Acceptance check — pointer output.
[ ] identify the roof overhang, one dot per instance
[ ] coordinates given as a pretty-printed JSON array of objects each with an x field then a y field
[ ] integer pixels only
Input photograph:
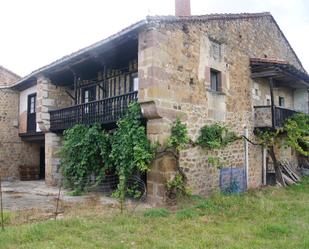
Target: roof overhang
[
  {"x": 281, "y": 71},
  {"x": 90, "y": 53}
]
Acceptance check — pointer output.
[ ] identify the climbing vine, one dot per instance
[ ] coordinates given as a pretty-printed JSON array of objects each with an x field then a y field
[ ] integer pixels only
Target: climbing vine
[
  {"x": 296, "y": 131},
  {"x": 131, "y": 151},
  {"x": 295, "y": 134},
  {"x": 211, "y": 137},
  {"x": 215, "y": 136},
  {"x": 88, "y": 152},
  {"x": 85, "y": 153},
  {"x": 178, "y": 141}
]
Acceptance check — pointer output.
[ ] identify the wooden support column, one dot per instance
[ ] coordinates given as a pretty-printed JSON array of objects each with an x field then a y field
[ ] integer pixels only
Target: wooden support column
[
  {"x": 273, "y": 110},
  {"x": 75, "y": 89}
]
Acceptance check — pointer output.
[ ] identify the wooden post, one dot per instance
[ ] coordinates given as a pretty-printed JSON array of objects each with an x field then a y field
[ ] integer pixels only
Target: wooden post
[
  {"x": 1, "y": 204},
  {"x": 273, "y": 110},
  {"x": 75, "y": 89}
]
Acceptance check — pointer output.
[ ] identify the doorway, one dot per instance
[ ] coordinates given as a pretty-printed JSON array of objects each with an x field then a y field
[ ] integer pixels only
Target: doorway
[{"x": 42, "y": 163}]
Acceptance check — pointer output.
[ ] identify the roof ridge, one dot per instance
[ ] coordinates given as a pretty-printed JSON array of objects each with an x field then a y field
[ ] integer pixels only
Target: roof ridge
[
  {"x": 210, "y": 16},
  {"x": 9, "y": 71}
]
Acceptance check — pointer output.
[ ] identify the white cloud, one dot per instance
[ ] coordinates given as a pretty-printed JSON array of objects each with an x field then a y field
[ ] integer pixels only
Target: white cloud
[{"x": 36, "y": 32}]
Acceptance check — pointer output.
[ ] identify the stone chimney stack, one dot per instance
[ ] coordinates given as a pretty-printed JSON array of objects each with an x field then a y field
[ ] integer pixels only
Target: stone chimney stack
[{"x": 182, "y": 8}]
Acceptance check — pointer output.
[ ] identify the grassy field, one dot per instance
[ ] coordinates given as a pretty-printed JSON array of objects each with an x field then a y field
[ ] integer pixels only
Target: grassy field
[{"x": 268, "y": 218}]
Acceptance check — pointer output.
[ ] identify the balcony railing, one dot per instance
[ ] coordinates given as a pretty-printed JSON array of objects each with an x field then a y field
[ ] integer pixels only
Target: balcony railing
[
  {"x": 103, "y": 111},
  {"x": 263, "y": 116}
]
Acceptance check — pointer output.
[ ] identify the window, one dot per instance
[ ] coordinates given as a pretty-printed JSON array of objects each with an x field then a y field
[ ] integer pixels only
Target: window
[
  {"x": 32, "y": 104},
  {"x": 134, "y": 82},
  {"x": 215, "y": 50},
  {"x": 281, "y": 101},
  {"x": 215, "y": 80}
]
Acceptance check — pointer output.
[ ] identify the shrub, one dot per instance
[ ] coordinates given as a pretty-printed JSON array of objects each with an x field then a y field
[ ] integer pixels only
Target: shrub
[{"x": 84, "y": 155}]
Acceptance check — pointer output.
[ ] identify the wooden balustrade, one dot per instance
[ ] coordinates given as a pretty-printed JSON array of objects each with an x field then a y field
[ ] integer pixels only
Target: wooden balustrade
[
  {"x": 103, "y": 111},
  {"x": 263, "y": 116}
]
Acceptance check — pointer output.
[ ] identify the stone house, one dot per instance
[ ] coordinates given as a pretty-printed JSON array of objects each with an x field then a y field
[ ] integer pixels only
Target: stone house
[
  {"x": 13, "y": 151},
  {"x": 235, "y": 69}
]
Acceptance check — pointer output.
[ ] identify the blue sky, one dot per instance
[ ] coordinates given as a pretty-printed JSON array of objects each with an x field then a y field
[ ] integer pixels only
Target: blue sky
[{"x": 36, "y": 32}]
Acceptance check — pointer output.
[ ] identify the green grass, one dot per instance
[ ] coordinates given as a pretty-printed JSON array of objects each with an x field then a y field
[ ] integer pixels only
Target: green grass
[{"x": 268, "y": 218}]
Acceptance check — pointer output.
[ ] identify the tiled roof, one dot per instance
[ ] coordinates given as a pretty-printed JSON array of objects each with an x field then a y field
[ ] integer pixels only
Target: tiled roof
[
  {"x": 9, "y": 71},
  {"x": 266, "y": 60},
  {"x": 210, "y": 17},
  {"x": 141, "y": 24},
  {"x": 280, "y": 66}
]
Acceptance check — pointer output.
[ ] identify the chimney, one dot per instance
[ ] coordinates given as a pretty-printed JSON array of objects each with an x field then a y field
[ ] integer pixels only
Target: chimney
[{"x": 182, "y": 8}]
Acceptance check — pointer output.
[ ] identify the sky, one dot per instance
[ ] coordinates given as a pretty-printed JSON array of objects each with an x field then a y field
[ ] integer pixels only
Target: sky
[{"x": 34, "y": 33}]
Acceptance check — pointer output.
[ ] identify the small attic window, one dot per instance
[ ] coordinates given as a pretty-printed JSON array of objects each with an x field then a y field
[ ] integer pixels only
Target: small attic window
[{"x": 215, "y": 50}]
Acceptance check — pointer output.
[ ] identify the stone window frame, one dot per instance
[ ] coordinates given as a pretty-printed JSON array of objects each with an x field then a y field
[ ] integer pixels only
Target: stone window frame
[
  {"x": 215, "y": 45},
  {"x": 218, "y": 87}
]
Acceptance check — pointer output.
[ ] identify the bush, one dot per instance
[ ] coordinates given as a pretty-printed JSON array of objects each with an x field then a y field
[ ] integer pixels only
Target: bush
[
  {"x": 84, "y": 155},
  {"x": 215, "y": 136}
]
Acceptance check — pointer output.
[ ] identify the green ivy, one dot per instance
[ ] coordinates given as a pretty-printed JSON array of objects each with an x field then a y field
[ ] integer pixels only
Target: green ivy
[
  {"x": 215, "y": 136},
  {"x": 85, "y": 153},
  {"x": 295, "y": 133},
  {"x": 131, "y": 151},
  {"x": 177, "y": 187},
  {"x": 179, "y": 136}
]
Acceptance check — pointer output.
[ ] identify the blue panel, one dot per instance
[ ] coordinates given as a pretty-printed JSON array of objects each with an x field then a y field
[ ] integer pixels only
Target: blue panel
[{"x": 233, "y": 180}]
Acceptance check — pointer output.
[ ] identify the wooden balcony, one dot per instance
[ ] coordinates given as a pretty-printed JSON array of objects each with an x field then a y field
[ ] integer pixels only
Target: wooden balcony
[
  {"x": 104, "y": 111},
  {"x": 264, "y": 119}
]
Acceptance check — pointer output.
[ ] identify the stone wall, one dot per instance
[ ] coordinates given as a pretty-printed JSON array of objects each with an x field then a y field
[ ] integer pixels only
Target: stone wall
[
  {"x": 52, "y": 160},
  {"x": 174, "y": 67},
  {"x": 13, "y": 152},
  {"x": 49, "y": 97},
  {"x": 7, "y": 78}
]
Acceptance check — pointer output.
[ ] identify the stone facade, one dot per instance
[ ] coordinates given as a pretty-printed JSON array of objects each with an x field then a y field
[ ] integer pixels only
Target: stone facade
[
  {"x": 52, "y": 159},
  {"x": 7, "y": 77},
  {"x": 177, "y": 60},
  {"x": 174, "y": 67},
  {"x": 13, "y": 152},
  {"x": 49, "y": 97}
]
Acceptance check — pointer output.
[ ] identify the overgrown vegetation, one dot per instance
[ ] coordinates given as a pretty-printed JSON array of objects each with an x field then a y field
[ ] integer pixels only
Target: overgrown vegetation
[
  {"x": 84, "y": 156},
  {"x": 179, "y": 138},
  {"x": 211, "y": 137},
  {"x": 270, "y": 218},
  {"x": 131, "y": 152},
  {"x": 295, "y": 134},
  {"x": 178, "y": 141},
  {"x": 88, "y": 152},
  {"x": 215, "y": 136}
]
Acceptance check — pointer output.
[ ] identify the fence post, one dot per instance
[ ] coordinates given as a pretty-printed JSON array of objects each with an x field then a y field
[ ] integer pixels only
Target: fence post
[
  {"x": 58, "y": 198},
  {"x": 1, "y": 204},
  {"x": 246, "y": 147}
]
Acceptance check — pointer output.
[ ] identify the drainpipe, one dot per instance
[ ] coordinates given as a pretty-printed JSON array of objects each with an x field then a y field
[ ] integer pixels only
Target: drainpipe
[
  {"x": 246, "y": 145},
  {"x": 264, "y": 154}
]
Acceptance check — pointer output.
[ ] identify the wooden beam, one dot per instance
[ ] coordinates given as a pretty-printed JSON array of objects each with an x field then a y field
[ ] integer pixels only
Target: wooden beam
[
  {"x": 68, "y": 93},
  {"x": 264, "y": 74},
  {"x": 273, "y": 110}
]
